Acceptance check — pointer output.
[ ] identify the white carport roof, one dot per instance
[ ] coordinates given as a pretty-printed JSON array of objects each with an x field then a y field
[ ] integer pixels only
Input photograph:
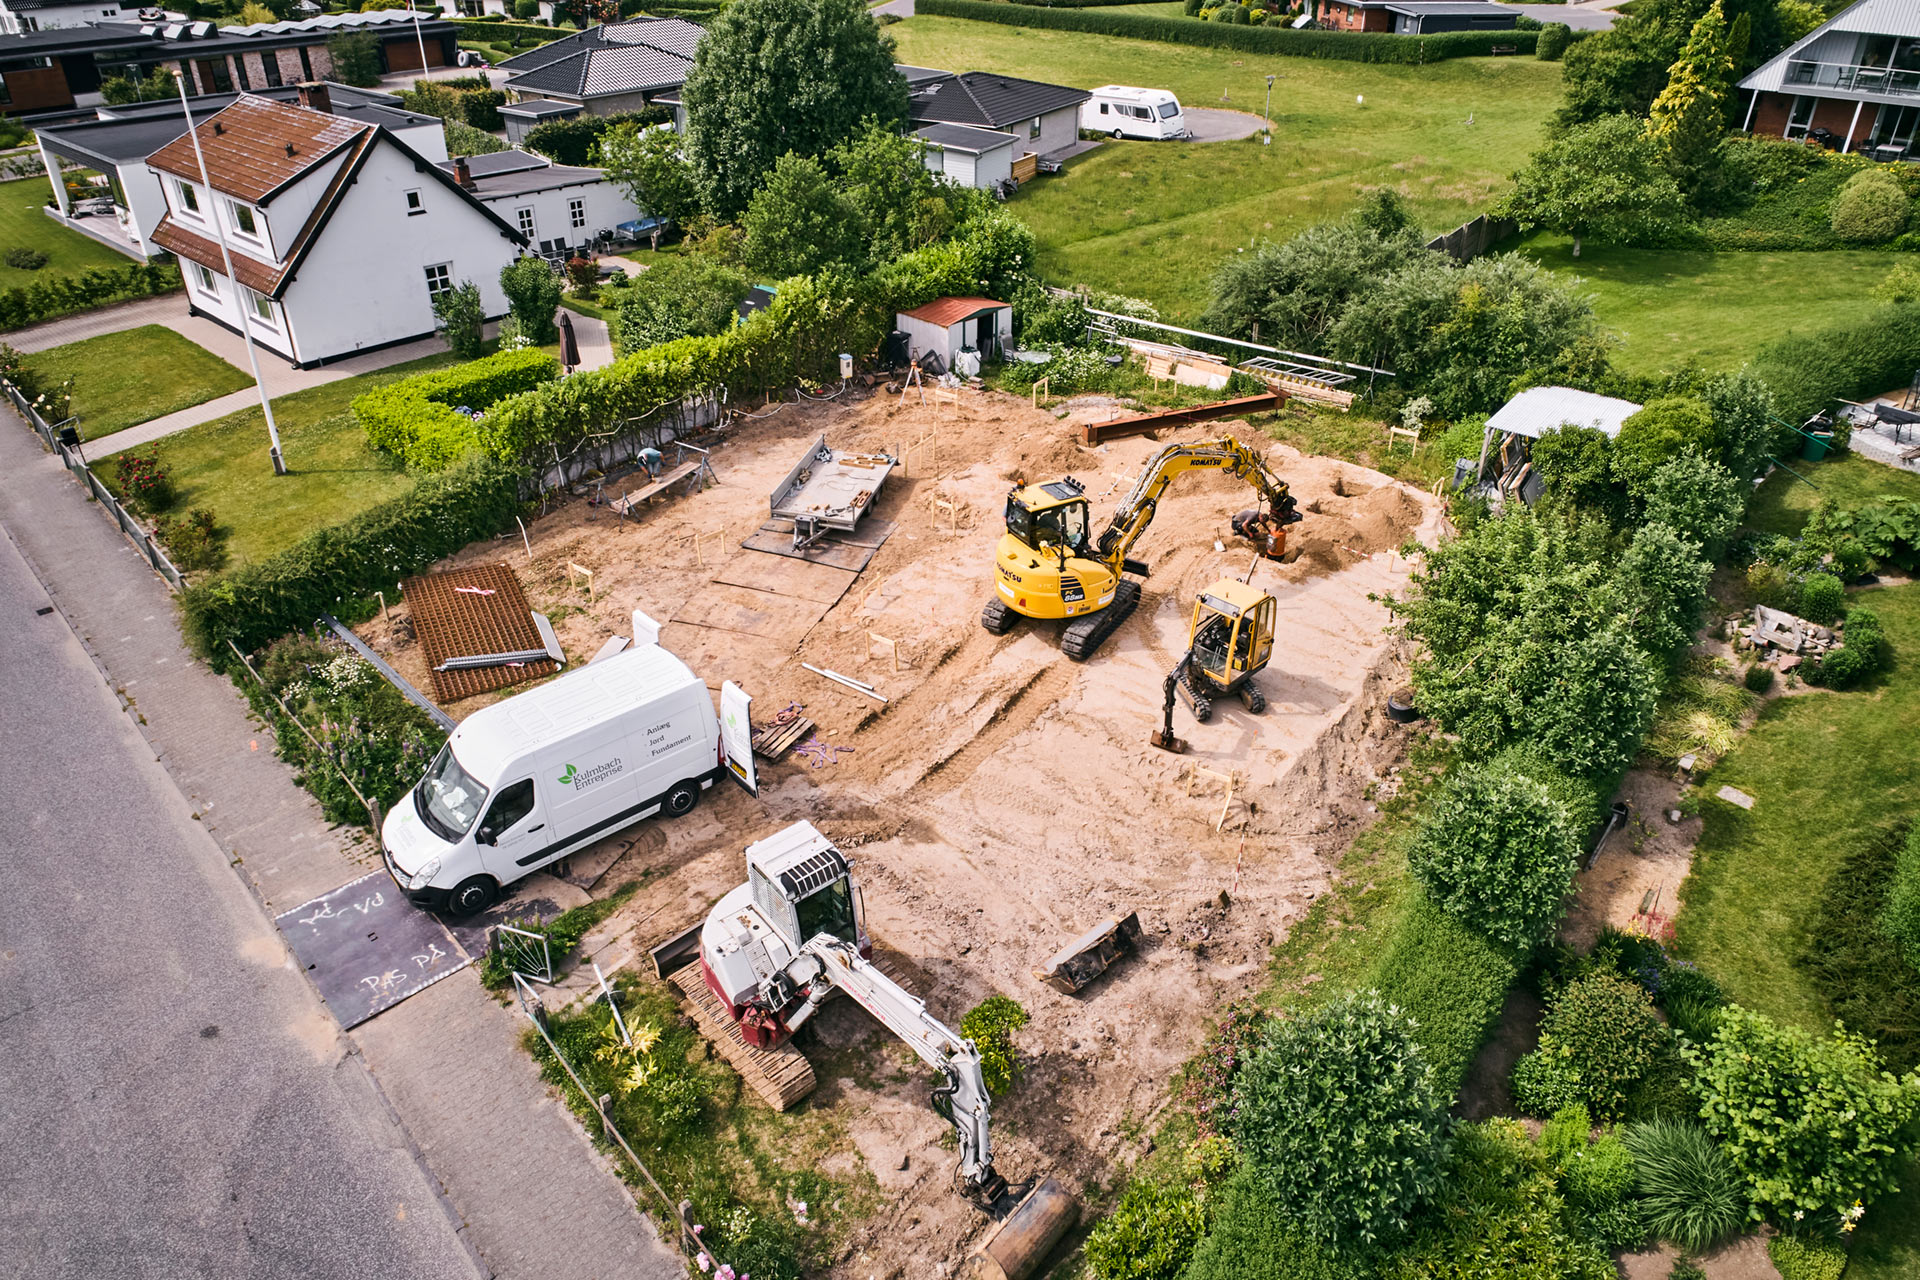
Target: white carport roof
[{"x": 1538, "y": 410}]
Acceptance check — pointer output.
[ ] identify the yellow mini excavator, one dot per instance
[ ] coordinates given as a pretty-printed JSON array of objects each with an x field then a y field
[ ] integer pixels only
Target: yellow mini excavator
[
  {"x": 1050, "y": 565},
  {"x": 1229, "y": 640}
]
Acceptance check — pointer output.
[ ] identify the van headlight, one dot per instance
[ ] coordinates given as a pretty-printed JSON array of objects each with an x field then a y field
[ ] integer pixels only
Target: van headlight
[{"x": 424, "y": 876}]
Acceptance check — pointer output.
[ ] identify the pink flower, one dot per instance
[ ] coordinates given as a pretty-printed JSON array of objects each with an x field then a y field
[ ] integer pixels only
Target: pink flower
[
  {"x": 703, "y": 1261},
  {"x": 725, "y": 1273}
]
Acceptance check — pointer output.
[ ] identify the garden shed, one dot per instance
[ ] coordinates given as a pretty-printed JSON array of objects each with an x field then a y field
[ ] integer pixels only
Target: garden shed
[
  {"x": 1506, "y": 447},
  {"x": 946, "y": 326}
]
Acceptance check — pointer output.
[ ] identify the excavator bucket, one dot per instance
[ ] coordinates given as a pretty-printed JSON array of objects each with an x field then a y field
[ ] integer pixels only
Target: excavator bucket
[
  {"x": 1021, "y": 1245},
  {"x": 1091, "y": 954},
  {"x": 1164, "y": 740}
]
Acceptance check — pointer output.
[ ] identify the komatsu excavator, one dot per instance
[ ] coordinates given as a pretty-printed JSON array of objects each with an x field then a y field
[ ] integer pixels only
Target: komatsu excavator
[{"x": 1049, "y": 565}]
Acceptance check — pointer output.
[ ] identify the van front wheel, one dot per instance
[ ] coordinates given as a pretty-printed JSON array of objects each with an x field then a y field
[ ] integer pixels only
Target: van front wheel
[
  {"x": 475, "y": 893},
  {"x": 680, "y": 801}
]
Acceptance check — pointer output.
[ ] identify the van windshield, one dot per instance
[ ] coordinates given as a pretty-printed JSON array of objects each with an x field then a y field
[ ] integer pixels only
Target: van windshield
[
  {"x": 1168, "y": 110},
  {"x": 448, "y": 798}
]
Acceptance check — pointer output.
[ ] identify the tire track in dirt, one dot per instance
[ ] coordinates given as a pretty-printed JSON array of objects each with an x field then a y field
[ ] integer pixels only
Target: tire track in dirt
[{"x": 1023, "y": 706}]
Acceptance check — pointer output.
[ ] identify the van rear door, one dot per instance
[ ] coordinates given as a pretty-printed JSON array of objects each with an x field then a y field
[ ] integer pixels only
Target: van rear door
[{"x": 736, "y": 736}]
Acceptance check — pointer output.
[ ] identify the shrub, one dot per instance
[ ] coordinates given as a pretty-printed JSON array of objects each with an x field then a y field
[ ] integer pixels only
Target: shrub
[
  {"x": 1849, "y": 665},
  {"x": 1250, "y": 1235},
  {"x": 1851, "y": 360},
  {"x": 1806, "y": 1258},
  {"x": 533, "y": 295},
  {"x": 1599, "y": 1038},
  {"x": 144, "y": 480},
  {"x": 990, "y": 1025},
  {"x": 1496, "y": 850},
  {"x": 1758, "y": 679},
  {"x": 1692, "y": 1193},
  {"x": 1553, "y": 40},
  {"x": 459, "y": 316},
  {"x": 583, "y": 276},
  {"x": 45, "y": 299},
  {"x": 685, "y": 296},
  {"x": 1336, "y": 1112},
  {"x": 336, "y": 570},
  {"x": 418, "y": 419},
  {"x": 577, "y": 141},
  {"x": 754, "y": 1245},
  {"x": 1451, "y": 981},
  {"x": 195, "y": 543},
  {"x": 1149, "y": 1235},
  {"x": 1544, "y": 1084},
  {"x": 465, "y": 140},
  {"x": 1699, "y": 499},
  {"x": 1656, "y": 435},
  {"x": 1822, "y": 598},
  {"x": 1870, "y": 208},
  {"x": 1812, "y": 1125},
  {"x": 1901, "y": 916},
  {"x": 21, "y": 258}
]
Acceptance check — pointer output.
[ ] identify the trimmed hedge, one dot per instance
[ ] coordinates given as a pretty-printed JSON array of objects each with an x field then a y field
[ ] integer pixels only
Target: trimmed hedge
[
  {"x": 44, "y": 299},
  {"x": 1341, "y": 46},
  {"x": 416, "y": 420},
  {"x": 1453, "y": 982},
  {"x": 480, "y": 31},
  {"x": 336, "y": 570}
]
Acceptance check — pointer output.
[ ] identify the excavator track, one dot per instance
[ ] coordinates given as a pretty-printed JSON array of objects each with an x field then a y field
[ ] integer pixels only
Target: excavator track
[
  {"x": 997, "y": 618},
  {"x": 1082, "y": 638}
]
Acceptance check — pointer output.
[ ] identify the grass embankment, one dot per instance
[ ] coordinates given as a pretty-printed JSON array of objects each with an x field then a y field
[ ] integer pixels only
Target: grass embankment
[
  {"x": 22, "y": 224},
  {"x": 1825, "y": 769},
  {"x": 121, "y": 380},
  {"x": 332, "y": 473},
  {"x": 1674, "y": 306},
  {"x": 1153, "y": 219}
]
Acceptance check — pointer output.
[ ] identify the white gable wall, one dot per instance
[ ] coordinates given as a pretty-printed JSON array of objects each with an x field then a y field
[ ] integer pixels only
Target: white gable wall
[{"x": 604, "y": 205}]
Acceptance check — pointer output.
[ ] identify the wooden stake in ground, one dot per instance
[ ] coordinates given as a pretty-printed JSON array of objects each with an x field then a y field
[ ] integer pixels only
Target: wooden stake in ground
[
  {"x": 1228, "y": 779},
  {"x": 580, "y": 571}
]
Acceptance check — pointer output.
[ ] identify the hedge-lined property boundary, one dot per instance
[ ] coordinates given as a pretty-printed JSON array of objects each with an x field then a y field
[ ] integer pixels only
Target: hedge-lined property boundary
[
  {"x": 480, "y": 31},
  {"x": 336, "y": 570},
  {"x": 416, "y": 419},
  {"x": 1341, "y": 46},
  {"x": 45, "y": 299},
  {"x": 1880, "y": 349}
]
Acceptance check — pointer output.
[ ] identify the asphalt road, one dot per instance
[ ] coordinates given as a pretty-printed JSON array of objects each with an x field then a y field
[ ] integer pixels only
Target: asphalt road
[{"x": 176, "y": 1101}]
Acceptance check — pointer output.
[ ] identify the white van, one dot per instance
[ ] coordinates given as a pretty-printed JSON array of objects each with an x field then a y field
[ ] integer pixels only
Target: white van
[
  {"x": 546, "y": 772},
  {"x": 1122, "y": 111}
]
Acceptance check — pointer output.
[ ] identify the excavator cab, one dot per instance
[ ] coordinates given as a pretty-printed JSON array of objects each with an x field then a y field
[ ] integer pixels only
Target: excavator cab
[
  {"x": 1231, "y": 633},
  {"x": 1051, "y": 515}
]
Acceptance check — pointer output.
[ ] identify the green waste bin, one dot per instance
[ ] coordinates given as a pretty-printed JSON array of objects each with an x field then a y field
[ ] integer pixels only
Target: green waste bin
[{"x": 1814, "y": 449}]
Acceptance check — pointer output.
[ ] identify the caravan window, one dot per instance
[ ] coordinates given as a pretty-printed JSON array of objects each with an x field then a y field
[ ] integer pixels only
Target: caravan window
[
  {"x": 448, "y": 799},
  {"x": 1168, "y": 110}
]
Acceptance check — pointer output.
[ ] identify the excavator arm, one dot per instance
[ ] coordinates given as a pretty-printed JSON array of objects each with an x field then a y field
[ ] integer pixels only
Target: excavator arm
[{"x": 1137, "y": 510}]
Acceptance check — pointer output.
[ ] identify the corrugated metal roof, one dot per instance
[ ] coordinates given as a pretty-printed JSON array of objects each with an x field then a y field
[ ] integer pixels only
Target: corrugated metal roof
[
  {"x": 943, "y": 312},
  {"x": 255, "y": 147},
  {"x": 1538, "y": 410},
  {"x": 1869, "y": 17}
]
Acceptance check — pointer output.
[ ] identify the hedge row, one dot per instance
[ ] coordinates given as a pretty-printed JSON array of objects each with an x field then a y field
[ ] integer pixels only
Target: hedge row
[
  {"x": 1078, "y": 4},
  {"x": 481, "y": 31},
  {"x": 334, "y": 570},
  {"x": 418, "y": 419},
  {"x": 1453, "y": 982},
  {"x": 63, "y": 295},
  {"x": 1848, "y": 361},
  {"x": 1342, "y": 46}
]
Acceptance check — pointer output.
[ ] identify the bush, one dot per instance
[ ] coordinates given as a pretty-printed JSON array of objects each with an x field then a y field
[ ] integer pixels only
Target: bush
[
  {"x": 1822, "y": 598},
  {"x": 1600, "y": 1037},
  {"x": 1692, "y": 1193},
  {"x": 1699, "y": 499},
  {"x": 195, "y": 543},
  {"x": 1852, "y": 360},
  {"x": 465, "y": 140},
  {"x": 1812, "y": 1125},
  {"x": 1149, "y": 1235},
  {"x": 336, "y": 570},
  {"x": 754, "y": 1245},
  {"x": 1553, "y": 40},
  {"x": 45, "y": 299},
  {"x": 1758, "y": 678},
  {"x": 1901, "y": 916},
  {"x": 1339, "y": 45},
  {"x": 533, "y": 296},
  {"x": 459, "y": 316},
  {"x": 1806, "y": 1258},
  {"x": 583, "y": 277},
  {"x": 1337, "y": 1114},
  {"x": 679, "y": 297},
  {"x": 1870, "y": 208},
  {"x": 526, "y": 10},
  {"x": 418, "y": 419},
  {"x": 1495, "y": 849},
  {"x": 1451, "y": 981},
  {"x": 21, "y": 258},
  {"x": 1860, "y": 954},
  {"x": 577, "y": 141},
  {"x": 1250, "y": 1236},
  {"x": 990, "y": 1025},
  {"x": 144, "y": 480}
]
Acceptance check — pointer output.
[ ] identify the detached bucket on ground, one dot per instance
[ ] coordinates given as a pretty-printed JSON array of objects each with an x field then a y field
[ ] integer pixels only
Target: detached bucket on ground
[{"x": 1029, "y": 1234}]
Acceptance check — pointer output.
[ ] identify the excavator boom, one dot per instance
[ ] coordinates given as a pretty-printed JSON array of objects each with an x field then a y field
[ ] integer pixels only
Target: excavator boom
[{"x": 1137, "y": 509}]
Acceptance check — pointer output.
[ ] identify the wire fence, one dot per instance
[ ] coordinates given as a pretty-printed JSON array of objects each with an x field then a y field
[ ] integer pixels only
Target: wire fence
[{"x": 70, "y": 456}]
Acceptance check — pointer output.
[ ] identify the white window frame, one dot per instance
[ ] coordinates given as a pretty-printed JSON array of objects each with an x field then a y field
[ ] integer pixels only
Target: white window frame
[
  {"x": 576, "y": 214},
  {"x": 236, "y": 208},
  {"x": 189, "y": 198},
  {"x": 259, "y": 307},
  {"x": 203, "y": 276},
  {"x": 416, "y": 202},
  {"x": 523, "y": 218},
  {"x": 1033, "y": 130},
  {"x": 445, "y": 279}
]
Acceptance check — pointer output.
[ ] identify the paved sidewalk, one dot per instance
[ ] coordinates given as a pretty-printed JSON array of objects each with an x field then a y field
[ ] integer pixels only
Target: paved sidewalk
[{"x": 536, "y": 1201}]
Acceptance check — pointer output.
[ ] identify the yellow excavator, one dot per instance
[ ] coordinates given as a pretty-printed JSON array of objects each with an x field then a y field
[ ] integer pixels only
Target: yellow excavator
[
  {"x": 1229, "y": 640},
  {"x": 1050, "y": 565}
]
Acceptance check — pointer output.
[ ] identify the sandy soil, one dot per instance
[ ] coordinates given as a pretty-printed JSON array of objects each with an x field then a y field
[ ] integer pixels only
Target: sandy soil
[{"x": 1005, "y": 799}]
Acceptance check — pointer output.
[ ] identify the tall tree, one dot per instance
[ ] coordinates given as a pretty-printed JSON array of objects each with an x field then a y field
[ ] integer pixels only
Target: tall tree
[
  {"x": 800, "y": 221},
  {"x": 649, "y": 164},
  {"x": 1603, "y": 180},
  {"x": 778, "y": 76},
  {"x": 1689, "y": 116}
]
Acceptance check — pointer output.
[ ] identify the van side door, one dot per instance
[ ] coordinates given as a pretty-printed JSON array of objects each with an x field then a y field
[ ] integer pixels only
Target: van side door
[{"x": 513, "y": 828}]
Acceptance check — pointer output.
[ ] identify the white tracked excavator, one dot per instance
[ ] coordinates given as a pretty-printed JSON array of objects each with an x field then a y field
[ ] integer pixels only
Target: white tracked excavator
[{"x": 776, "y": 948}]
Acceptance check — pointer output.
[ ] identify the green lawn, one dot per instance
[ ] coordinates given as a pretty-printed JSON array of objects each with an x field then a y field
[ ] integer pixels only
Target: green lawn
[
  {"x": 1783, "y": 503},
  {"x": 1153, "y": 219},
  {"x": 333, "y": 474},
  {"x": 123, "y": 379},
  {"x": 22, "y": 223},
  {"x": 1715, "y": 309}
]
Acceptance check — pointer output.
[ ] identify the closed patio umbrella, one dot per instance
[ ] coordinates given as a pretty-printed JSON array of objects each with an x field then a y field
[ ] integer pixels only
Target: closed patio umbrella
[{"x": 569, "y": 347}]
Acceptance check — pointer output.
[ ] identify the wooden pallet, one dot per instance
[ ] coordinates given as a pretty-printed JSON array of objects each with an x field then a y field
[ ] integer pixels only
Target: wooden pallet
[
  {"x": 781, "y": 1077},
  {"x": 776, "y": 740}
]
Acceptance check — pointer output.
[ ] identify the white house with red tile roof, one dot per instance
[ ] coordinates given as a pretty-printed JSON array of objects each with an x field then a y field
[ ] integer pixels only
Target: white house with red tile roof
[{"x": 341, "y": 235}]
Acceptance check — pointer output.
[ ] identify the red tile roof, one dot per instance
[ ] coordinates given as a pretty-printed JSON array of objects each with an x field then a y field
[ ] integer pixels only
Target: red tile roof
[
  {"x": 255, "y": 147},
  {"x": 951, "y": 311},
  {"x": 261, "y": 277}
]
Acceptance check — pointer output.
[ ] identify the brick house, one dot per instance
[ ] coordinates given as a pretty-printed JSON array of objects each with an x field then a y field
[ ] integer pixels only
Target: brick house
[
  {"x": 1414, "y": 17},
  {"x": 1852, "y": 83}
]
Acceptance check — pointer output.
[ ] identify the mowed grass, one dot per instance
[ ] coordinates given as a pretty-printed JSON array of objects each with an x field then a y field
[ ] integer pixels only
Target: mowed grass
[
  {"x": 333, "y": 474},
  {"x": 1155, "y": 219},
  {"x": 1716, "y": 310},
  {"x": 123, "y": 379},
  {"x": 1783, "y": 503},
  {"x": 22, "y": 224}
]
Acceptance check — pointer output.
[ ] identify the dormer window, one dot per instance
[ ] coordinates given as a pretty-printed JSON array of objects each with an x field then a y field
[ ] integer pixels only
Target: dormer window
[
  {"x": 189, "y": 202},
  {"x": 243, "y": 219}
]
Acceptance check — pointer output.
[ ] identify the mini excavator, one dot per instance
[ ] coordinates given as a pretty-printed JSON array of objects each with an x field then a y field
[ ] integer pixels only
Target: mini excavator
[
  {"x": 1229, "y": 640},
  {"x": 1049, "y": 565}
]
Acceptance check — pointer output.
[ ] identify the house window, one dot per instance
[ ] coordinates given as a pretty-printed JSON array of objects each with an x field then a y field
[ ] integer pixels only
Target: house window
[
  {"x": 577, "y": 213},
  {"x": 525, "y": 217},
  {"x": 1800, "y": 117},
  {"x": 439, "y": 279},
  {"x": 205, "y": 277},
  {"x": 240, "y": 70},
  {"x": 1033, "y": 130},
  {"x": 243, "y": 219},
  {"x": 306, "y": 64},
  {"x": 215, "y": 77},
  {"x": 261, "y": 304},
  {"x": 270, "y": 68},
  {"x": 188, "y": 200},
  {"x": 415, "y": 203},
  {"x": 6, "y": 94}
]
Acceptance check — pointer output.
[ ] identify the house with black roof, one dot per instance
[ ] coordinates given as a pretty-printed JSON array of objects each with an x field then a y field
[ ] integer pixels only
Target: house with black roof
[
  {"x": 604, "y": 70},
  {"x": 1044, "y": 119}
]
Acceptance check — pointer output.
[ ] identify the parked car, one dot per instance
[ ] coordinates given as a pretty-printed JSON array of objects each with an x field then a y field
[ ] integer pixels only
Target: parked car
[{"x": 1122, "y": 111}]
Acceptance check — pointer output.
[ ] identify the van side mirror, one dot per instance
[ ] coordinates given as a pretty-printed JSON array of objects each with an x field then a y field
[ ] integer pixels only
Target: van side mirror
[{"x": 484, "y": 835}]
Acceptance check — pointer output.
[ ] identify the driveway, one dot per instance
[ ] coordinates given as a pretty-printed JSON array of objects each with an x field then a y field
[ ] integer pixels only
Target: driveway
[
  {"x": 1210, "y": 124},
  {"x": 1581, "y": 17}
]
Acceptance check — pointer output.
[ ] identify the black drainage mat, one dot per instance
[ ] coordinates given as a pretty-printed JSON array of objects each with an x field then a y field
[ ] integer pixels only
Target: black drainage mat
[{"x": 367, "y": 948}]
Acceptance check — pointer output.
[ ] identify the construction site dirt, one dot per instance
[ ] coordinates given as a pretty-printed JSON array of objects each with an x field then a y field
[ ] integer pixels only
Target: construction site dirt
[{"x": 1004, "y": 799}]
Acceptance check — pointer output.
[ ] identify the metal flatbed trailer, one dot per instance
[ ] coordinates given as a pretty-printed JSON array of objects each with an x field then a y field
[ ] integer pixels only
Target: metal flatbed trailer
[{"x": 829, "y": 490}]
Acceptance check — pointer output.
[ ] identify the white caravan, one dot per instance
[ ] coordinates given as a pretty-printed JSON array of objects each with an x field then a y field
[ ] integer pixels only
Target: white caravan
[
  {"x": 546, "y": 772},
  {"x": 1121, "y": 111}
]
